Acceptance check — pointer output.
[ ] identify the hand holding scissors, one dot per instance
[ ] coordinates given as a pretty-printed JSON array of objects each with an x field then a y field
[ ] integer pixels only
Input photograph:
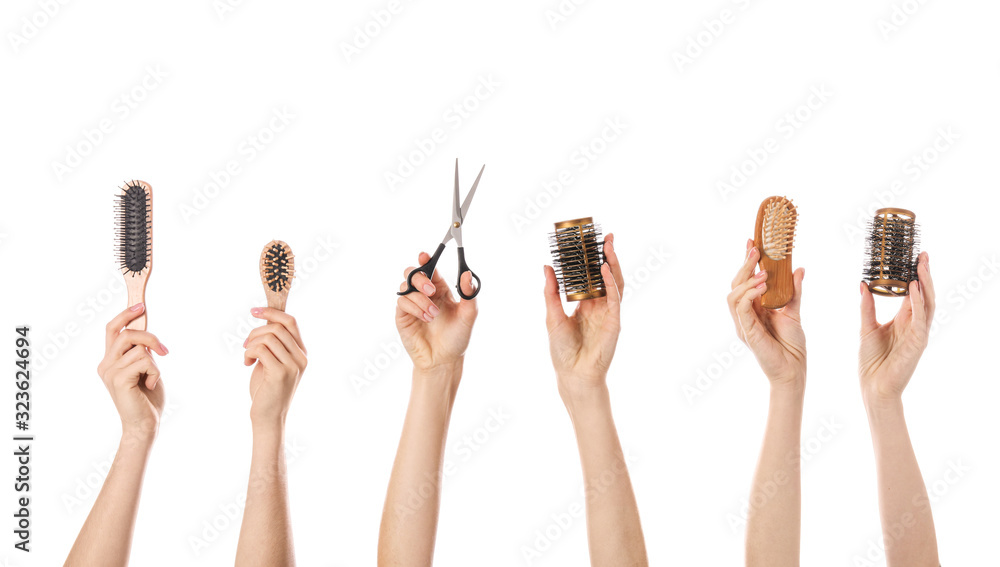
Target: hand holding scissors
[{"x": 458, "y": 215}]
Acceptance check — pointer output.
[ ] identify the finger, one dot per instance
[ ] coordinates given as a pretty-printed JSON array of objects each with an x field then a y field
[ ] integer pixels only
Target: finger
[
  {"x": 614, "y": 292},
  {"x": 554, "y": 313},
  {"x": 274, "y": 345},
  {"x": 748, "y": 321},
  {"x": 792, "y": 307},
  {"x": 611, "y": 255},
  {"x": 747, "y": 269},
  {"x": 917, "y": 304},
  {"x": 280, "y": 317},
  {"x": 868, "y": 320},
  {"x": 468, "y": 285},
  {"x": 927, "y": 283},
  {"x": 119, "y": 321},
  {"x": 131, "y": 357},
  {"x": 420, "y": 281},
  {"x": 421, "y": 299},
  {"x": 146, "y": 366},
  {"x": 741, "y": 290},
  {"x": 405, "y": 305},
  {"x": 130, "y": 337},
  {"x": 283, "y": 335},
  {"x": 260, "y": 353}
]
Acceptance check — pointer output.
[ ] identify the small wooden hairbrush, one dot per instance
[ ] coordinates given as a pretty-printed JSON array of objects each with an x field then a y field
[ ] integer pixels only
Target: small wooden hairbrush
[
  {"x": 134, "y": 242},
  {"x": 277, "y": 268},
  {"x": 577, "y": 254},
  {"x": 891, "y": 250},
  {"x": 774, "y": 237}
]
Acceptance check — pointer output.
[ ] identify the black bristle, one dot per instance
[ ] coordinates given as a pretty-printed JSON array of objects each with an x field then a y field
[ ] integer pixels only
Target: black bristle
[
  {"x": 891, "y": 250},
  {"x": 277, "y": 267},
  {"x": 133, "y": 227}
]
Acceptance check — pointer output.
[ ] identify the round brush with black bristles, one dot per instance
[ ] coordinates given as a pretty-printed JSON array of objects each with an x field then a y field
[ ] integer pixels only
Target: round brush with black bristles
[
  {"x": 134, "y": 242},
  {"x": 577, "y": 254},
  {"x": 891, "y": 250},
  {"x": 774, "y": 237},
  {"x": 277, "y": 268}
]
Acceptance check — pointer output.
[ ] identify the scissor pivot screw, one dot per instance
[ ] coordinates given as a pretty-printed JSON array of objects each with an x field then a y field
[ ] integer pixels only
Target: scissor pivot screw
[{"x": 457, "y": 224}]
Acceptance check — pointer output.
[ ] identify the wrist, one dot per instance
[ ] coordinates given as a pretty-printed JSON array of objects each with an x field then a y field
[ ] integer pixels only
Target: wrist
[
  {"x": 881, "y": 404},
  {"x": 267, "y": 426},
  {"x": 789, "y": 389},
  {"x": 583, "y": 397},
  {"x": 442, "y": 377},
  {"x": 139, "y": 440}
]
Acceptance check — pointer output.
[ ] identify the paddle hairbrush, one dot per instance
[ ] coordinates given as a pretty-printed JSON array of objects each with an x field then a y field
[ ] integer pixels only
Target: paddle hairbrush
[
  {"x": 277, "y": 268},
  {"x": 774, "y": 237},
  {"x": 891, "y": 250},
  {"x": 134, "y": 242},
  {"x": 577, "y": 254}
]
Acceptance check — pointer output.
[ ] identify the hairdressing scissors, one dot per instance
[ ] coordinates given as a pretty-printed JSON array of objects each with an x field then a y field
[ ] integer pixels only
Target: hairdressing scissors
[{"x": 458, "y": 215}]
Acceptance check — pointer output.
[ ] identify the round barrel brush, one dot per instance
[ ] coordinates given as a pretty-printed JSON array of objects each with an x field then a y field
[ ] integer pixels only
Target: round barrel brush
[
  {"x": 577, "y": 254},
  {"x": 134, "y": 242},
  {"x": 277, "y": 268},
  {"x": 891, "y": 250},
  {"x": 774, "y": 236}
]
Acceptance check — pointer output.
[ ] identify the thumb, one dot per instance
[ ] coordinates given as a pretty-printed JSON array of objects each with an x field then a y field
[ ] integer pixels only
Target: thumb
[
  {"x": 796, "y": 302},
  {"x": 868, "y": 321}
]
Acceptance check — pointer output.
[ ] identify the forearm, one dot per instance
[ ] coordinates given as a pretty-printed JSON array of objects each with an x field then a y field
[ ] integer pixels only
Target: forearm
[
  {"x": 613, "y": 527},
  {"x": 907, "y": 524},
  {"x": 774, "y": 514},
  {"x": 266, "y": 533},
  {"x": 106, "y": 536},
  {"x": 410, "y": 515}
]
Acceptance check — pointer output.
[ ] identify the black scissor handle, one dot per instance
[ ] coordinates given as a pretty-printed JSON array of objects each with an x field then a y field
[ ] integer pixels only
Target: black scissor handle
[
  {"x": 426, "y": 269},
  {"x": 462, "y": 268}
]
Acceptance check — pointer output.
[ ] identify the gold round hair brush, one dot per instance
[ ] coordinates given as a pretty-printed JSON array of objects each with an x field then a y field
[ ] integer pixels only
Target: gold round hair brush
[
  {"x": 134, "y": 242},
  {"x": 891, "y": 250},
  {"x": 277, "y": 268},
  {"x": 774, "y": 237},
  {"x": 577, "y": 254}
]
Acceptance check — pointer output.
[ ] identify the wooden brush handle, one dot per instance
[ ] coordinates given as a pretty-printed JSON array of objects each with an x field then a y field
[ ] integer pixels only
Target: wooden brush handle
[
  {"x": 276, "y": 299},
  {"x": 137, "y": 294}
]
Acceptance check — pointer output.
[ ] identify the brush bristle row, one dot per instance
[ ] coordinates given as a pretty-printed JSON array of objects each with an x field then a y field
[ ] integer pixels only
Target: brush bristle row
[
  {"x": 577, "y": 256},
  {"x": 891, "y": 249},
  {"x": 133, "y": 228},
  {"x": 278, "y": 267},
  {"x": 778, "y": 230}
]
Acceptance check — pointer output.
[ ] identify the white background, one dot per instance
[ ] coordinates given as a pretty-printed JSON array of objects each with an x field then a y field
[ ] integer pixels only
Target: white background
[{"x": 322, "y": 179}]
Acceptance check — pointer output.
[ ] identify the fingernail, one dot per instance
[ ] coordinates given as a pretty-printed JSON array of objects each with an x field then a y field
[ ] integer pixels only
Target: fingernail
[
  {"x": 427, "y": 318},
  {"x": 762, "y": 274},
  {"x": 433, "y": 310},
  {"x": 256, "y": 311},
  {"x": 163, "y": 347},
  {"x": 136, "y": 307},
  {"x": 862, "y": 289},
  {"x": 245, "y": 342},
  {"x": 761, "y": 285},
  {"x": 428, "y": 289}
]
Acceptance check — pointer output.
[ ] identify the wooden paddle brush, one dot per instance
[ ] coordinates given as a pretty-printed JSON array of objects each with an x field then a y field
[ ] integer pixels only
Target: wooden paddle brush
[
  {"x": 774, "y": 237},
  {"x": 134, "y": 242},
  {"x": 277, "y": 268}
]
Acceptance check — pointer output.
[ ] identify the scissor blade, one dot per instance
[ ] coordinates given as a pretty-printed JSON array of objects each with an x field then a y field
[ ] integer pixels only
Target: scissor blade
[
  {"x": 472, "y": 193},
  {"x": 456, "y": 213}
]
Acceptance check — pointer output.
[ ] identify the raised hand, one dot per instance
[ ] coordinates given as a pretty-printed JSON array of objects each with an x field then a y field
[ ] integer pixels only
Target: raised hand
[
  {"x": 775, "y": 336},
  {"x": 433, "y": 326},
  {"x": 889, "y": 353}
]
